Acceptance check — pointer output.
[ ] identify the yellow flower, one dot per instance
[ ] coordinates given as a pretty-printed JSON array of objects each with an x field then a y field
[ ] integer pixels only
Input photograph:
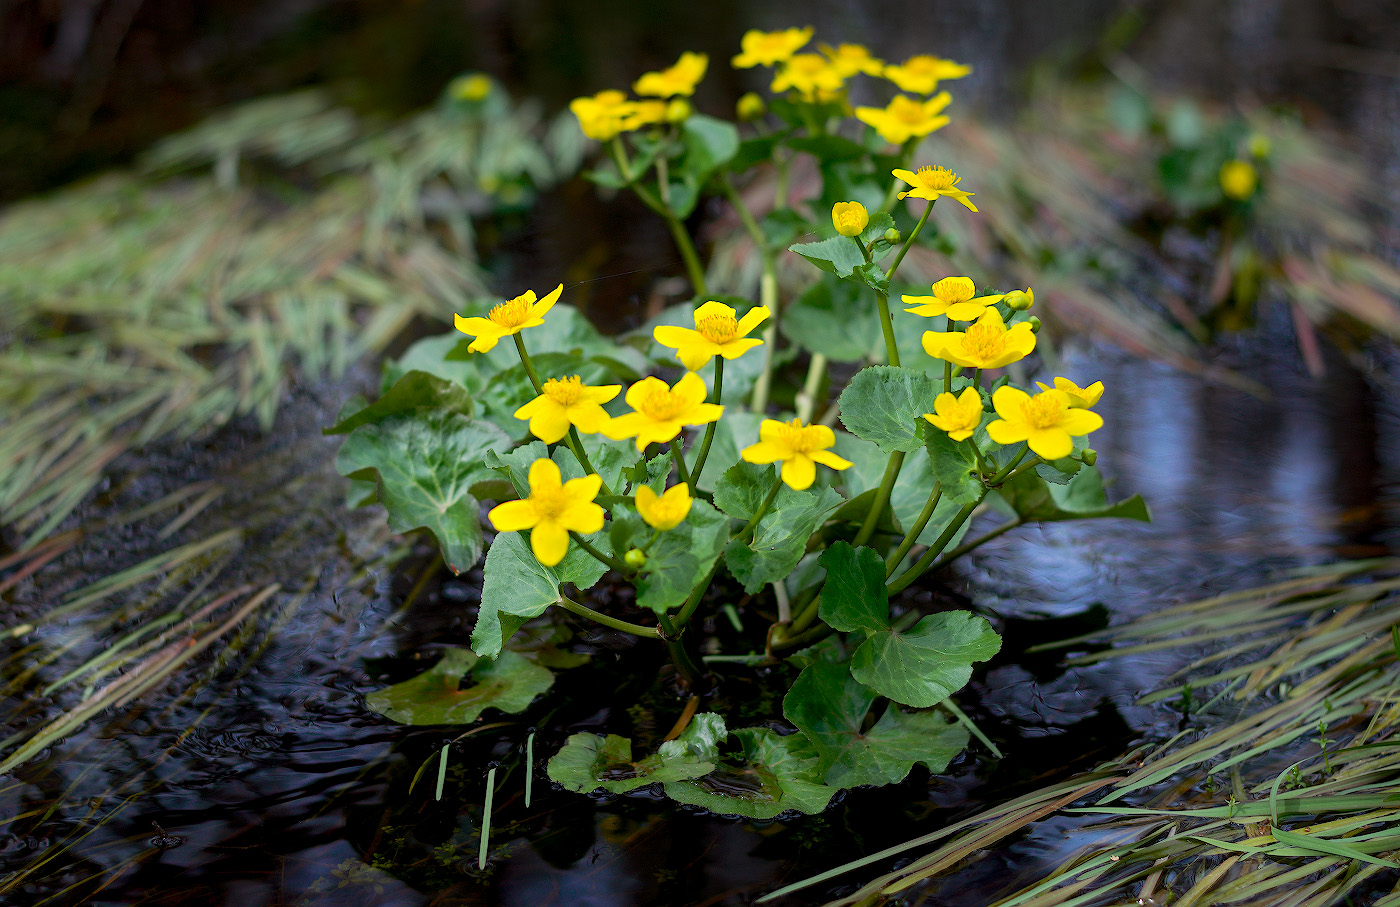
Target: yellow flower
[
  {"x": 565, "y": 402},
  {"x": 906, "y": 118},
  {"x": 849, "y": 218},
  {"x": 716, "y": 333},
  {"x": 959, "y": 416},
  {"x": 678, "y": 110},
  {"x": 954, "y": 297},
  {"x": 750, "y": 107},
  {"x": 922, "y": 74},
  {"x": 679, "y": 79},
  {"x": 1079, "y": 397},
  {"x": 665, "y": 511},
  {"x": 799, "y": 448},
  {"x": 1046, "y": 421},
  {"x": 660, "y": 412},
  {"x": 931, "y": 182},
  {"x": 986, "y": 344},
  {"x": 474, "y": 87},
  {"x": 849, "y": 59},
  {"x": 810, "y": 75},
  {"x": 551, "y": 511},
  {"x": 766, "y": 48},
  {"x": 648, "y": 112},
  {"x": 1238, "y": 179},
  {"x": 506, "y": 319},
  {"x": 601, "y": 116}
]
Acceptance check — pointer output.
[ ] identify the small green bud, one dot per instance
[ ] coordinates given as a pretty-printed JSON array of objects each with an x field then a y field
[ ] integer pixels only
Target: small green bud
[
  {"x": 1020, "y": 300},
  {"x": 750, "y": 107},
  {"x": 635, "y": 558},
  {"x": 892, "y": 236},
  {"x": 1034, "y": 322},
  {"x": 1089, "y": 456}
]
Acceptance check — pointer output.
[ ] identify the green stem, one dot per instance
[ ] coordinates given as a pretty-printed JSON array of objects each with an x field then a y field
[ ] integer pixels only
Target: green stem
[
  {"x": 808, "y": 601},
  {"x": 977, "y": 378},
  {"x": 933, "y": 551},
  {"x": 1029, "y": 464},
  {"x": 909, "y": 241},
  {"x": 747, "y": 531},
  {"x": 570, "y": 605},
  {"x": 529, "y": 366},
  {"x": 663, "y": 180},
  {"x": 680, "y": 463},
  {"x": 709, "y": 429},
  {"x": 651, "y": 541},
  {"x": 882, "y": 497},
  {"x": 912, "y": 536},
  {"x": 678, "y": 232},
  {"x": 887, "y": 328},
  {"x": 692, "y": 601},
  {"x": 768, "y": 297},
  {"x": 906, "y": 151},
  {"x": 807, "y": 399},
  {"x": 976, "y": 543},
  {"x": 691, "y": 674},
  {"x": 606, "y": 559},
  {"x": 576, "y": 445},
  {"x": 947, "y": 376},
  {"x": 1006, "y": 470}
]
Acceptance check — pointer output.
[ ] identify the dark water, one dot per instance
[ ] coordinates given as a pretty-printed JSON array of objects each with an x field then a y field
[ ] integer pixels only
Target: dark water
[{"x": 268, "y": 782}]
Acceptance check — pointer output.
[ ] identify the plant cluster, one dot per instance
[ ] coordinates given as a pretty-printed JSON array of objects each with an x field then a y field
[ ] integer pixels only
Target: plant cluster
[{"x": 681, "y": 491}]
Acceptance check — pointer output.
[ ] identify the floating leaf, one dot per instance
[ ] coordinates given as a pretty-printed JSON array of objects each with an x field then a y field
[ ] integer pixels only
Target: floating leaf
[
  {"x": 508, "y": 682},
  {"x": 1082, "y": 498},
  {"x": 778, "y": 774},
  {"x": 589, "y": 762}
]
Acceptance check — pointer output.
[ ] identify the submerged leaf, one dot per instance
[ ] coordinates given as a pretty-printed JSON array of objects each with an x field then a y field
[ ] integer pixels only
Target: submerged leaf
[
  {"x": 509, "y": 682},
  {"x": 589, "y": 762}
]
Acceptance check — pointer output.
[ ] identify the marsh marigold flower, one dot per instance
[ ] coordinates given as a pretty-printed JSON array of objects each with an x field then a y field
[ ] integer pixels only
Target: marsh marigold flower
[
  {"x": 673, "y": 80},
  {"x": 849, "y": 59},
  {"x": 810, "y": 75},
  {"x": 1079, "y": 397},
  {"x": 849, "y": 218},
  {"x": 1238, "y": 179},
  {"x": 647, "y": 112},
  {"x": 552, "y": 511},
  {"x": 988, "y": 343},
  {"x": 664, "y": 511},
  {"x": 958, "y": 415},
  {"x": 601, "y": 116},
  {"x": 931, "y": 182},
  {"x": 750, "y": 107},
  {"x": 767, "y": 48},
  {"x": 1046, "y": 422},
  {"x": 565, "y": 402},
  {"x": 716, "y": 333},
  {"x": 922, "y": 74},
  {"x": 660, "y": 412},
  {"x": 524, "y": 311},
  {"x": 906, "y": 118},
  {"x": 955, "y": 297},
  {"x": 473, "y": 87},
  {"x": 799, "y": 447}
]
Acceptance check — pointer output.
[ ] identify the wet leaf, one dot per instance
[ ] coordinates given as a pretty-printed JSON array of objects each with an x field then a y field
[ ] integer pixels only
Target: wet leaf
[
  {"x": 778, "y": 774},
  {"x": 518, "y": 587},
  {"x": 509, "y": 682},
  {"x": 927, "y": 663},
  {"x": 885, "y": 404},
  {"x": 416, "y": 392},
  {"x": 589, "y": 762}
]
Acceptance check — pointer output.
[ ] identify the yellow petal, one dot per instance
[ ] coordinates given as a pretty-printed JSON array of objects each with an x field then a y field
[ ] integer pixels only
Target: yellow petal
[
  {"x": 694, "y": 355},
  {"x": 550, "y": 542},
  {"x": 625, "y": 426},
  {"x": 544, "y": 474},
  {"x": 658, "y": 432},
  {"x": 475, "y": 325},
  {"x": 675, "y": 336},
  {"x": 485, "y": 343},
  {"x": 641, "y": 390},
  {"x": 691, "y": 388},
  {"x": 753, "y": 318},
  {"x": 1081, "y": 422},
  {"x": 907, "y": 176},
  {"x": 736, "y": 348},
  {"x": 827, "y": 458},
  {"x": 588, "y": 418},
  {"x": 704, "y": 413},
  {"x": 1007, "y": 401},
  {"x": 584, "y": 518},
  {"x": 712, "y": 308},
  {"x": 799, "y": 472},
  {"x": 544, "y": 305},
  {"x": 1050, "y": 443},
  {"x": 764, "y": 452},
  {"x": 550, "y": 424},
  {"x": 534, "y": 406},
  {"x": 513, "y": 516},
  {"x": 1004, "y": 432},
  {"x": 966, "y": 311},
  {"x": 584, "y": 488},
  {"x": 602, "y": 393}
]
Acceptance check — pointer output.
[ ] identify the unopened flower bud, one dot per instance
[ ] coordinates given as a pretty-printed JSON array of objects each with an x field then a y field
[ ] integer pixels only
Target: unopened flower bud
[
  {"x": 892, "y": 236},
  {"x": 1238, "y": 179},
  {"x": 1259, "y": 146},
  {"x": 678, "y": 111},
  {"x": 750, "y": 107},
  {"x": 1089, "y": 456},
  {"x": 1020, "y": 300},
  {"x": 474, "y": 87},
  {"x": 1034, "y": 322},
  {"x": 849, "y": 218},
  {"x": 635, "y": 558}
]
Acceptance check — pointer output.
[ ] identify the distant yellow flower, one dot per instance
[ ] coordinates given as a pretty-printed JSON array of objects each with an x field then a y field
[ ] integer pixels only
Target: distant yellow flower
[
  {"x": 931, "y": 182},
  {"x": 601, "y": 116},
  {"x": 716, "y": 333},
  {"x": 552, "y": 511},
  {"x": 799, "y": 447},
  {"x": 647, "y": 112},
  {"x": 986, "y": 344},
  {"x": 665, "y": 511},
  {"x": 922, "y": 74},
  {"x": 767, "y": 48},
  {"x": 750, "y": 107},
  {"x": 954, "y": 297},
  {"x": 678, "y": 79},
  {"x": 660, "y": 412},
  {"x": 1238, "y": 179},
  {"x": 473, "y": 87},
  {"x": 959, "y": 416},
  {"x": 508, "y": 318},
  {"x": 849, "y": 59},
  {"x": 849, "y": 218},
  {"x": 906, "y": 118},
  {"x": 1079, "y": 397},
  {"x": 1046, "y": 421},
  {"x": 565, "y": 402},
  {"x": 810, "y": 75},
  {"x": 678, "y": 110}
]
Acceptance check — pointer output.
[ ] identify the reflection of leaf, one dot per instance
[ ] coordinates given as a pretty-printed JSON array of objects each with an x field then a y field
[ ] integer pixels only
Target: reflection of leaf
[
  {"x": 589, "y": 762},
  {"x": 778, "y": 774},
  {"x": 927, "y": 663},
  {"x": 509, "y": 682},
  {"x": 885, "y": 404},
  {"x": 829, "y": 706},
  {"x": 518, "y": 587}
]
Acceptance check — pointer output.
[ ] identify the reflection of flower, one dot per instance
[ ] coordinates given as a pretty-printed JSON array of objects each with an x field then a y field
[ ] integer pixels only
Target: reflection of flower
[
  {"x": 673, "y": 80},
  {"x": 766, "y": 48},
  {"x": 664, "y": 511},
  {"x": 1238, "y": 179},
  {"x": 931, "y": 182},
  {"x": 601, "y": 116},
  {"x": 849, "y": 218},
  {"x": 552, "y": 511},
  {"x": 952, "y": 296},
  {"x": 849, "y": 59},
  {"x": 959, "y": 416},
  {"x": 565, "y": 402},
  {"x": 716, "y": 333},
  {"x": 508, "y": 318},
  {"x": 1046, "y": 422},
  {"x": 906, "y": 118},
  {"x": 922, "y": 74},
  {"x": 660, "y": 412},
  {"x": 810, "y": 75},
  {"x": 799, "y": 448},
  {"x": 988, "y": 343},
  {"x": 1079, "y": 397}
]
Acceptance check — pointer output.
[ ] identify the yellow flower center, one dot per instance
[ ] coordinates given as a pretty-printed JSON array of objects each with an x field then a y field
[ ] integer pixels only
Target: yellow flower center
[
  {"x": 907, "y": 111},
  {"x": 984, "y": 341},
  {"x": 850, "y": 220},
  {"x": 937, "y": 177},
  {"x": 550, "y": 503},
  {"x": 1044, "y": 410},
  {"x": 564, "y": 391},
  {"x": 512, "y": 314},
  {"x": 662, "y": 405},
  {"x": 954, "y": 289},
  {"x": 717, "y": 328},
  {"x": 801, "y": 439}
]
